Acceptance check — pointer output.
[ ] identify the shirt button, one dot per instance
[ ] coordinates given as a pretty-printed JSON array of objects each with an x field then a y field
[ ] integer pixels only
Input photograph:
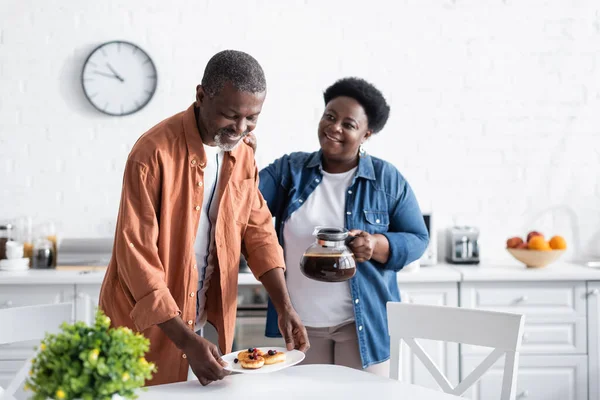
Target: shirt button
[
  {"x": 193, "y": 163},
  {"x": 200, "y": 183},
  {"x": 131, "y": 245},
  {"x": 300, "y": 201},
  {"x": 377, "y": 221},
  {"x": 201, "y": 165},
  {"x": 192, "y": 294},
  {"x": 360, "y": 328},
  {"x": 317, "y": 180},
  {"x": 195, "y": 266},
  {"x": 197, "y": 208},
  {"x": 357, "y": 301},
  {"x": 349, "y": 212},
  {"x": 184, "y": 356},
  {"x": 191, "y": 322},
  {"x": 349, "y": 191}
]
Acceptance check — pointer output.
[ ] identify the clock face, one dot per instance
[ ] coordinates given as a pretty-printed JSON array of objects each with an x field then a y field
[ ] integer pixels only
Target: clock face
[{"x": 119, "y": 78}]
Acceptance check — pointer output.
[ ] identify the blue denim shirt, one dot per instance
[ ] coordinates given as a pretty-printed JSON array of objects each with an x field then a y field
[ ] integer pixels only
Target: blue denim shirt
[{"x": 379, "y": 200}]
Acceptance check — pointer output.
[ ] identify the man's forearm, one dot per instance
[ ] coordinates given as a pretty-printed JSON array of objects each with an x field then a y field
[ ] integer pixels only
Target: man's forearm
[
  {"x": 177, "y": 331},
  {"x": 274, "y": 282}
]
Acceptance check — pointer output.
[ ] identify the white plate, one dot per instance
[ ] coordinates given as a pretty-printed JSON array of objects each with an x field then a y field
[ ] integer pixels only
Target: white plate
[{"x": 292, "y": 357}]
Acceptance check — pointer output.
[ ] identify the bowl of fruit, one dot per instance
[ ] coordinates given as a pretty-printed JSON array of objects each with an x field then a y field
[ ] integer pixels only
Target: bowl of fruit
[{"x": 536, "y": 251}]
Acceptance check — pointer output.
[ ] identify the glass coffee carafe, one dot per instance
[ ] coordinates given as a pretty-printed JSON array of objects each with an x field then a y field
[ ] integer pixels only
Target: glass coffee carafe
[{"x": 329, "y": 259}]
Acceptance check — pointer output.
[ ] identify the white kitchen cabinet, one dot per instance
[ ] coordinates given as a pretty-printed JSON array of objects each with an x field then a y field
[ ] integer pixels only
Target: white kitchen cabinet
[
  {"x": 553, "y": 357},
  {"x": 13, "y": 356},
  {"x": 555, "y": 313},
  {"x": 28, "y": 295},
  {"x": 540, "y": 378},
  {"x": 86, "y": 302},
  {"x": 594, "y": 338},
  {"x": 444, "y": 354}
]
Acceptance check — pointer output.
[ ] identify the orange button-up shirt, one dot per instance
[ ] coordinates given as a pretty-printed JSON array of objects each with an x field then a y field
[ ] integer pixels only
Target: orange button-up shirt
[{"x": 152, "y": 276}]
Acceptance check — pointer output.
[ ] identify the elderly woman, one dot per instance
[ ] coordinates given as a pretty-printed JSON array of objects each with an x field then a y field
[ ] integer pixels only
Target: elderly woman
[{"x": 341, "y": 185}]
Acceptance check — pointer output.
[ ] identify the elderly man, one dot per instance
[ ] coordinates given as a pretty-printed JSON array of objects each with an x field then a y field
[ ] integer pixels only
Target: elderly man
[{"x": 190, "y": 203}]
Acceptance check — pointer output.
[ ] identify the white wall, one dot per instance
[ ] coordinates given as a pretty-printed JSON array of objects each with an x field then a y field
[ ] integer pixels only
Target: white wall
[{"x": 495, "y": 104}]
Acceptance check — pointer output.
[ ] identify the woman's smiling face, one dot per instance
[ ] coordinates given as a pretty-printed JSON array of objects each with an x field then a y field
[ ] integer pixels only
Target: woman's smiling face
[{"x": 342, "y": 129}]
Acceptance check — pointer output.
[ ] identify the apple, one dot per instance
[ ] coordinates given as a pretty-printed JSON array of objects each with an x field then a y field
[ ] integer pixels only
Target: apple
[
  {"x": 533, "y": 234},
  {"x": 522, "y": 246},
  {"x": 514, "y": 242}
]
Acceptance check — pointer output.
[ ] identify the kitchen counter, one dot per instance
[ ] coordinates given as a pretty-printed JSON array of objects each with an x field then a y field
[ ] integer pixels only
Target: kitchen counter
[
  {"x": 50, "y": 277},
  {"x": 438, "y": 273},
  {"x": 506, "y": 272}
]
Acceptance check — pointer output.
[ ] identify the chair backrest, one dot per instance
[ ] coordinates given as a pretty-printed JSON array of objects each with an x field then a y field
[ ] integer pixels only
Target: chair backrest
[
  {"x": 499, "y": 330},
  {"x": 22, "y": 324}
]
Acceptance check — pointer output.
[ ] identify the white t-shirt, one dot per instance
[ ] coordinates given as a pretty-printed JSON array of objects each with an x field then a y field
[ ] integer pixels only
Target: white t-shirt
[
  {"x": 205, "y": 237},
  {"x": 319, "y": 304}
]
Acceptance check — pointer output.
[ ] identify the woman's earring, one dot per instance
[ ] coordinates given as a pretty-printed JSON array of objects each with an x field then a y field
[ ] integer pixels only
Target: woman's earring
[{"x": 361, "y": 150}]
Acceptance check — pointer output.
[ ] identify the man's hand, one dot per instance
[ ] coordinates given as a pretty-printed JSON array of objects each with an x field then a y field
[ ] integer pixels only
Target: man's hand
[
  {"x": 205, "y": 361},
  {"x": 289, "y": 322},
  {"x": 203, "y": 356},
  {"x": 293, "y": 331},
  {"x": 250, "y": 140}
]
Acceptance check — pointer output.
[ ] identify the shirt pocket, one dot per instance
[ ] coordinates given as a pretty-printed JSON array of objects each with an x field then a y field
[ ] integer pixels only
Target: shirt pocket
[
  {"x": 376, "y": 221},
  {"x": 241, "y": 199}
]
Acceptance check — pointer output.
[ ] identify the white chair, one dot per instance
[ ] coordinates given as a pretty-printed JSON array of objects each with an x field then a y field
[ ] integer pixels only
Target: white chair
[
  {"x": 501, "y": 331},
  {"x": 21, "y": 324}
]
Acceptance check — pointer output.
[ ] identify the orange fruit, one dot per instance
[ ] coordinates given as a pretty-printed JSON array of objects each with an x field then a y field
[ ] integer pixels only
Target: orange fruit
[
  {"x": 538, "y": 243},
  {"x": 558, "y": 243},
  {"x": 533, "y": 234}
]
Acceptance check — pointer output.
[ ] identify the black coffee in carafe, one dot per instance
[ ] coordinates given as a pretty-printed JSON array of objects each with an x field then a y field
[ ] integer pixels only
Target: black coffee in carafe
[
  {"x": 328, "y": 267},
  {"x": 329, "y": 259}
]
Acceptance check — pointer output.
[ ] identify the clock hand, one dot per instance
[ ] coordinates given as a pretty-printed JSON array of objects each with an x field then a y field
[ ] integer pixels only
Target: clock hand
[
  {"x": 115, "y": 72},
  {"x": 107, "y": 75}
]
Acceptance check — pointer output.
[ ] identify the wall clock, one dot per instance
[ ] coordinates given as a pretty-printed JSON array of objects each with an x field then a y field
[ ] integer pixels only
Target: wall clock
[{"x": 119, "y": 78}]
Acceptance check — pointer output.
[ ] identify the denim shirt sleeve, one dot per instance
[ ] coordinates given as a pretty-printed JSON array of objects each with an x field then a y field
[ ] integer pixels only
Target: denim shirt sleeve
[
  {"x": 271, "y": 186},
  {"x": 407, "y": 234}
]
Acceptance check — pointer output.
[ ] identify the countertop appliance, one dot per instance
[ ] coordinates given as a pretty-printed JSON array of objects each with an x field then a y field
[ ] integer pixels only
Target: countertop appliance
[
  {"x": 429, "y": 257},
  {"x": 463, "y": 245}
]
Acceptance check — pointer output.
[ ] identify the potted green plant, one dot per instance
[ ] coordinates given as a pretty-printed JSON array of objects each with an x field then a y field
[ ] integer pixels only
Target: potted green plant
[{"x": 90, "y": 363}]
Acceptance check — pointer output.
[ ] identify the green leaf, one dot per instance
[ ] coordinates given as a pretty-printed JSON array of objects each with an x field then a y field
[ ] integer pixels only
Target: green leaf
[{"x": 90, "y": 362}]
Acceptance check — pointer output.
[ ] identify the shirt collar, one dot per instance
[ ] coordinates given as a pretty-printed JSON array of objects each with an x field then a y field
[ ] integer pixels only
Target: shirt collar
[{"x": 365, "y": 164}]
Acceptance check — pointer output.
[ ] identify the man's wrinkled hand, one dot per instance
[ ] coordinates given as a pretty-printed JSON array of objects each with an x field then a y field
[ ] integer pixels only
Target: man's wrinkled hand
[
  {"x": 205, "y": 361},
  {"x": 293, "y": 331}
]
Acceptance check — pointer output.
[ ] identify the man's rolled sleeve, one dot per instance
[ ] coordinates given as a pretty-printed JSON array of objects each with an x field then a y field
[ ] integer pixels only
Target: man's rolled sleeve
[{"x": 155, "y": 308}]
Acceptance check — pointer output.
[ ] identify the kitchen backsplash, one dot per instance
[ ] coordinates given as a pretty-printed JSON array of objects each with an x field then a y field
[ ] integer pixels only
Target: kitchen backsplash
[{"x": 494, "y": 127}]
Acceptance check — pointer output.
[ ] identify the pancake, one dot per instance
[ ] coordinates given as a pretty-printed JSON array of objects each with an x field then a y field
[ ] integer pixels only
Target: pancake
[
  {"x": 274, "y": 357},
  {"x": 254, "y": 363},
  {"x": 244, "y": 355}
]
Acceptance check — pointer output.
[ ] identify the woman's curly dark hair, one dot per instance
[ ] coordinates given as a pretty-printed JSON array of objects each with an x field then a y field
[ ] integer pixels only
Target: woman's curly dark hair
[{"x": 369, "y": 97}]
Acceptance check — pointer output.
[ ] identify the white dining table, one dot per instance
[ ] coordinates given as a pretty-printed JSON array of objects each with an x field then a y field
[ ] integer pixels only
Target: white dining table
[{"x": 299, "y": 382}]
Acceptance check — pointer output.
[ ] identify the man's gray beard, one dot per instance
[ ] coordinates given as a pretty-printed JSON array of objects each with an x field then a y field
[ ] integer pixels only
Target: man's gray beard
[{"x": 223, "y": 146}]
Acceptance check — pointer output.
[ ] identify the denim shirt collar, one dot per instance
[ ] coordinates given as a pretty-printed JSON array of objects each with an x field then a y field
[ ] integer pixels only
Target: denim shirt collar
[{"x": 365, "y": 164}]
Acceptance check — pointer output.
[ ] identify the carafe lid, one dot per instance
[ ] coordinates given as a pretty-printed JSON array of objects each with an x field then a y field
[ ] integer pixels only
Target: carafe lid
[{"x": 331, "y": 234}]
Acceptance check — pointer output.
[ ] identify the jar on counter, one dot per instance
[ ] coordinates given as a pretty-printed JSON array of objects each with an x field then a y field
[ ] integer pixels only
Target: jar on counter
[
  {"x": 6, "y": 234},
  {"x": 43, "y": 254}
]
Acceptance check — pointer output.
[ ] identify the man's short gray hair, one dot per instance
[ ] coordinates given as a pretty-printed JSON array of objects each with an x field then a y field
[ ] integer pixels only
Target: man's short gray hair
[{"x": 237, "y": 67}]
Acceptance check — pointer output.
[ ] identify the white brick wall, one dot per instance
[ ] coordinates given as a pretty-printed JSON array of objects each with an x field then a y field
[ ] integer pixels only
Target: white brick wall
[{"x": 495, "y": 104}]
